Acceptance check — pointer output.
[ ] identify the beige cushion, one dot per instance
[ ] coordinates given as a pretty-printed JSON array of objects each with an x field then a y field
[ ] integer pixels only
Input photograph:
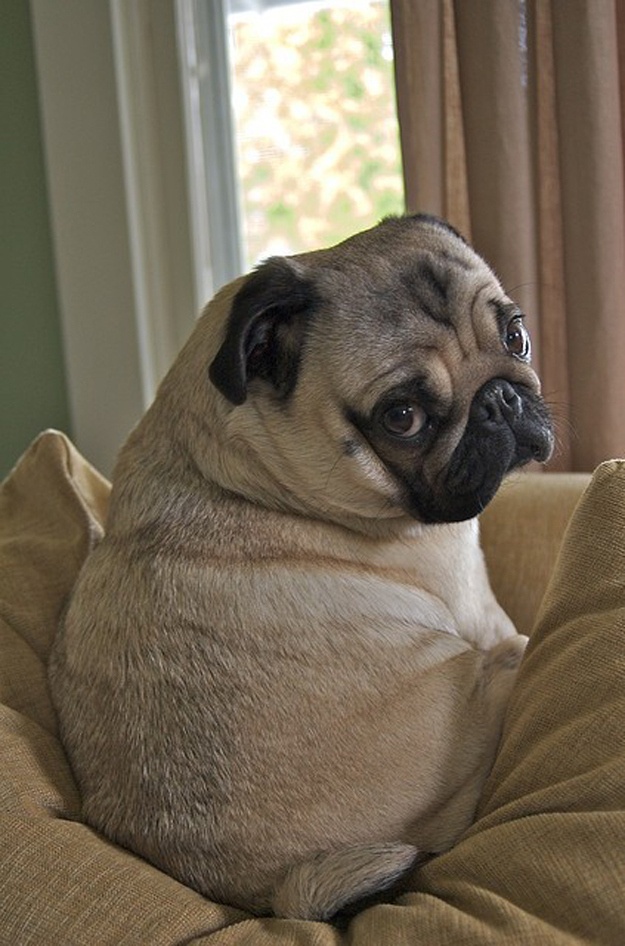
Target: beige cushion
[
  {"x": 521, "y": 530},
  {"x": 61, "y": 884},
  {"x": 545, "y": 862}
]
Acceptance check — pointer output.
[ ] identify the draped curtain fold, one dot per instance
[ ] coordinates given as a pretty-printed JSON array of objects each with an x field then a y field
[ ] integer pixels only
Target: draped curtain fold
[{"x": 511, "y": 118}]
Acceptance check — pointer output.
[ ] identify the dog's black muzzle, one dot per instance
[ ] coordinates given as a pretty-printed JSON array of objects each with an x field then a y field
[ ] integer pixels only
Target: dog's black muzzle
[
  {"x": 500, "y": 405},
  {"x": 508, "y": 426}
]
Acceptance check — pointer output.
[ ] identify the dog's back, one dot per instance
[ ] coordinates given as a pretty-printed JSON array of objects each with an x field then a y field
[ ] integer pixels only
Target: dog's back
[
  {"x": 232, "y": 716},
  {"x": 274, "y": 679}
]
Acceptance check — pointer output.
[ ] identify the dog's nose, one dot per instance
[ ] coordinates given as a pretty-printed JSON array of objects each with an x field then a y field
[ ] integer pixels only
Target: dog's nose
[{"x": 495, "y": 402}]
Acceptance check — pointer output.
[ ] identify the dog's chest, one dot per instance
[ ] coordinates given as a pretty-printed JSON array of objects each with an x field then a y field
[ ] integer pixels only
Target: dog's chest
[{"x": 447, "y": 566}]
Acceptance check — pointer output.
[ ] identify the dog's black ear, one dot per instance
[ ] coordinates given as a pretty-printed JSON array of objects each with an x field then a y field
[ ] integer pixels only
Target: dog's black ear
[{"x": 264, "y": 331}]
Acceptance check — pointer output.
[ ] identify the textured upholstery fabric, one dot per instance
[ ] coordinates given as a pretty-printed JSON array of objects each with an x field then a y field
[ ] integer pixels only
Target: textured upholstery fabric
[
  {"x": 521, "y": 530},
  {"x": 60, "y": 884},
  {"x": 544, "y": 862}
]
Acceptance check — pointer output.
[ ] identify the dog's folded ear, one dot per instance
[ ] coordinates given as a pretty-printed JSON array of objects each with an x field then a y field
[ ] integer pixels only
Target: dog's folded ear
[{"x": 265, "y": 330}]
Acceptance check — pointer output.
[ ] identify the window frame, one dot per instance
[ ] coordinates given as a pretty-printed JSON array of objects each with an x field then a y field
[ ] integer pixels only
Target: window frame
[
  {"x": 116, "y": 163},
  {"x": 143, "y": 192}
]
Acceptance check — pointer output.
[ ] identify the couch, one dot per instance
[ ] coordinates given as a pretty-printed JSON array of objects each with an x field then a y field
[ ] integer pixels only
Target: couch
[{"x": 544, "y": 862}]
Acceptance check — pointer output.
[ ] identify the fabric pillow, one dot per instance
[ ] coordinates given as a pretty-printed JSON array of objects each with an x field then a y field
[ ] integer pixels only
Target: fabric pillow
[
  {"x": 545, "y": 861},
  {"x": 543, "y": 864},
  {"x": 59, "y": 881},
  {"x": 521, "y": 531}
]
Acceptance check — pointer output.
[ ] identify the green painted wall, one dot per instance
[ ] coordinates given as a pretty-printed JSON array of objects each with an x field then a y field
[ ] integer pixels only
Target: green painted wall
[{"x": 32, "y": 383}]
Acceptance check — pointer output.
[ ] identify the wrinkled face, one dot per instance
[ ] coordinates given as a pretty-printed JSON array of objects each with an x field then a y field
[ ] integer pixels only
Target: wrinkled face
[{"x": 416, "y": 361}]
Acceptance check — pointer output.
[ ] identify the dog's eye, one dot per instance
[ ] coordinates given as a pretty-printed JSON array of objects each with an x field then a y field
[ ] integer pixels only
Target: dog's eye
[
  {"x": 404, "y": 420},
  {"x": 517, "y": 339}
]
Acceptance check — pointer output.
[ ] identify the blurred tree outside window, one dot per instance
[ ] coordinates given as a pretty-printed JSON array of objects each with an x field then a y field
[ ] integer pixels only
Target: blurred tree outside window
[{"x": 316, "y": 135}]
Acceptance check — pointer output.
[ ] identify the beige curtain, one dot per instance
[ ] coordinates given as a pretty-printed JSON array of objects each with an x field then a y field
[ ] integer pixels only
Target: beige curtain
[{"x": 511, "y": 115}]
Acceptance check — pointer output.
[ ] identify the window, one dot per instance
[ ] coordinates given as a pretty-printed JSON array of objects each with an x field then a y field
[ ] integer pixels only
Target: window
[
  {"x": 291, "y": 115},
  {"x": 137, "y": 256}
]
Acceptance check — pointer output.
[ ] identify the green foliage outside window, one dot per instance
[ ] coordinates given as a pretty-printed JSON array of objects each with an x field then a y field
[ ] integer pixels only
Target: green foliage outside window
[{"x": 319, "y": 155}]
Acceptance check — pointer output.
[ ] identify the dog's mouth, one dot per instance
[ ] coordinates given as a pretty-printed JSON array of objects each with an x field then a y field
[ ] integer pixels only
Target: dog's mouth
[{"x": 508, "y": 427}]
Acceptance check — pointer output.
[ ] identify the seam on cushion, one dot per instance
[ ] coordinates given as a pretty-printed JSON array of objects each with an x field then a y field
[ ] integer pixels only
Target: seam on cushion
[
  {"x": 94, "y": 529},
  {"x": 9, "y": 633},
  {"x": 50, "y": 791},
  {"x": 610, "y": 466}
]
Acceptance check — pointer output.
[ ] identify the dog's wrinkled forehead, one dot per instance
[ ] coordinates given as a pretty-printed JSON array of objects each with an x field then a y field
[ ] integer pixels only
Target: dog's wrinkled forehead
[
  {"x": 404, "y": 263},
  {"x": 410, "y": 284},
  {"x": 340, "y": 300}
]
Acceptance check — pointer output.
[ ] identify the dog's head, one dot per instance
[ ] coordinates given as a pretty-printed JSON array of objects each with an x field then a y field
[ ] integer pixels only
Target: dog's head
[{"x": 386, "y": 376}]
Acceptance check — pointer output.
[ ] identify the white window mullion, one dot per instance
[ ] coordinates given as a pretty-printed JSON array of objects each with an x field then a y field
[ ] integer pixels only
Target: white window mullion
[
  {"x": 205, "y": 70},
  {"x": 152, "y": 133}
]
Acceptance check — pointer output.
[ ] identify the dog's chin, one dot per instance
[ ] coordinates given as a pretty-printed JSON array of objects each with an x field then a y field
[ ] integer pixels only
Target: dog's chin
[
  {"x": 443, "y": 506},
  {"x": 473, "y": 476}
]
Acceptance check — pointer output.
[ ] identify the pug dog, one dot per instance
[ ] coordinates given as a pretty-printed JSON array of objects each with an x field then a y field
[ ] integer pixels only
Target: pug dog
[{"x": 282, "y": 674}]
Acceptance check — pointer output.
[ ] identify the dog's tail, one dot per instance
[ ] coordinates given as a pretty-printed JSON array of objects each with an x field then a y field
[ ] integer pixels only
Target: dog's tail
[{"x": 319, "y": 888}]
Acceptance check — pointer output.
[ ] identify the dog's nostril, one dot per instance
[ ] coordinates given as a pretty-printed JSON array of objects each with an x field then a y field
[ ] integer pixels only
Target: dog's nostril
[
  {"x": 495, "y": 402},
  {"x": 491, "y": 409},
  {"x": 511, "y": 399},
  {"x": 508, "y": 393}
]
